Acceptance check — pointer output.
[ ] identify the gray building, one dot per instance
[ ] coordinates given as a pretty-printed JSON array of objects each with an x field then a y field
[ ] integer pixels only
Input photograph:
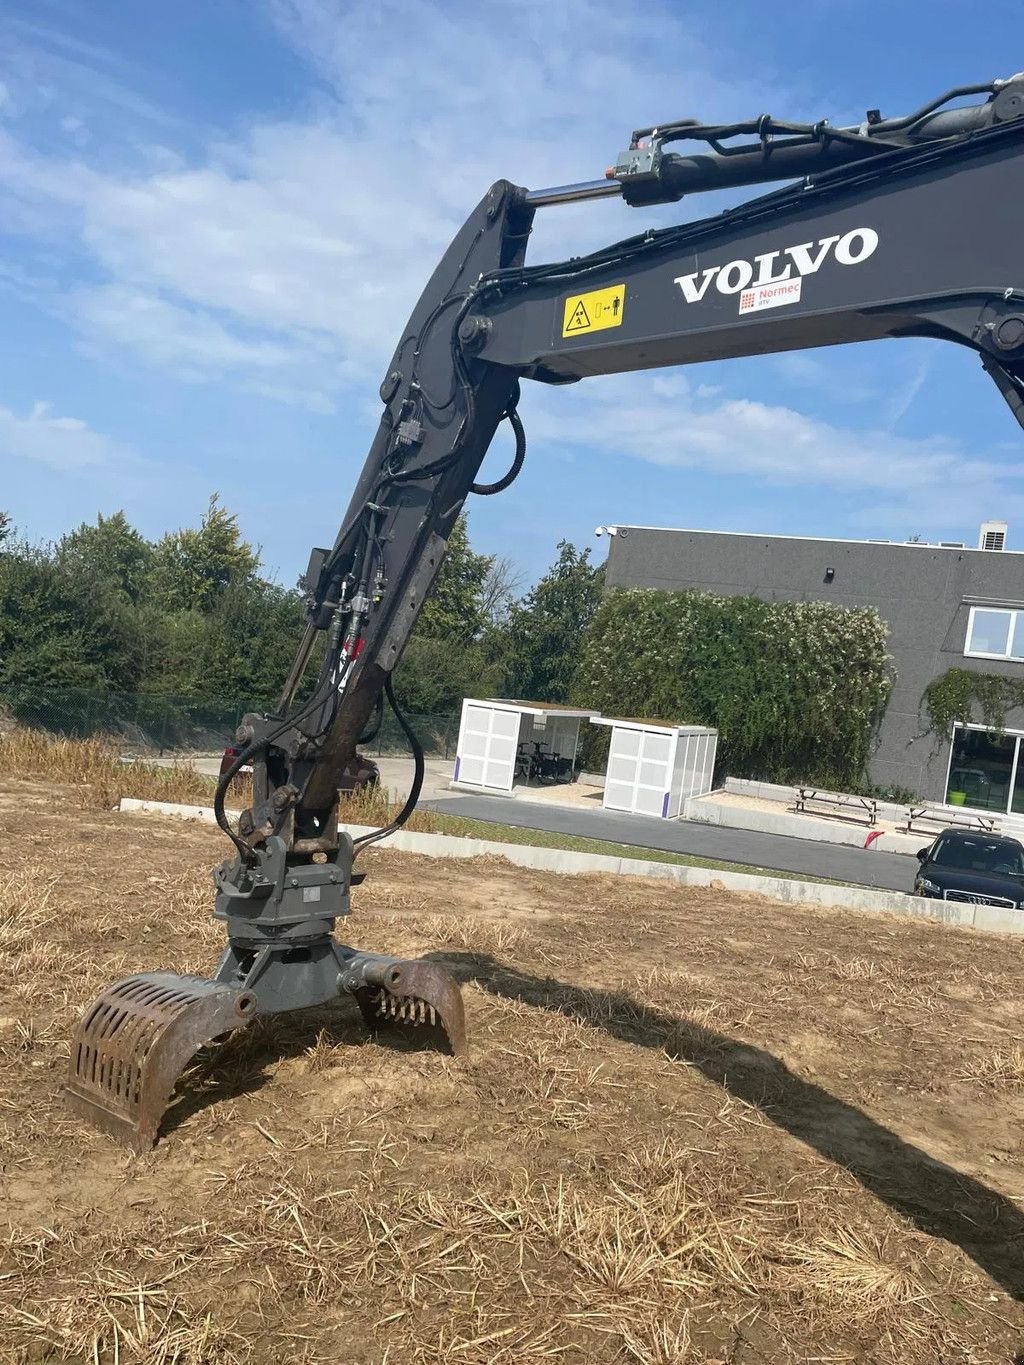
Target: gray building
[{"x": 946, "y": 605}]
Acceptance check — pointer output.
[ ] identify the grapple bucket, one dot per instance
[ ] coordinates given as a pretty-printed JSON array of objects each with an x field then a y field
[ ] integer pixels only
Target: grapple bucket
[
  {"x": 420, "y": 994},
  {"x": 134, "y": 1041}
]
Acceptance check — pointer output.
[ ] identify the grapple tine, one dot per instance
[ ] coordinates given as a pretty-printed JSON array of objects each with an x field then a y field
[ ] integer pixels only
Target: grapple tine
[
  {"x": 134, "y": 1041},
  {"x": 410, "y": 993}
]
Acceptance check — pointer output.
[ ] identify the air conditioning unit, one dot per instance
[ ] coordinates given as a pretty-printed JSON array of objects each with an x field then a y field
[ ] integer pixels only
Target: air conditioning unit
[
  {"x": 952, "y": 545},
  {"x": 992, "y": 535}
]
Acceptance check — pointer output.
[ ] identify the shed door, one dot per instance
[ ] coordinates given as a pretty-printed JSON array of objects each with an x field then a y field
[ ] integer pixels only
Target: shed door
[
  {"x": 639, "y": 772},
  {"x": 487, "y": 747}
]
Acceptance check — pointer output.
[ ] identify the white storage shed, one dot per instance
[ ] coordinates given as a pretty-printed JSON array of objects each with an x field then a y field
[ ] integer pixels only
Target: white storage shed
[
  {"x": 491, "y": 733},
  {"x": 652, "y": 769}
]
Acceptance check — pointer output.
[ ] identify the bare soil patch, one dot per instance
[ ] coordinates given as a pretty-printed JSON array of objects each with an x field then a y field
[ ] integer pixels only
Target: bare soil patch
[{"x": 694, "y": 1126}]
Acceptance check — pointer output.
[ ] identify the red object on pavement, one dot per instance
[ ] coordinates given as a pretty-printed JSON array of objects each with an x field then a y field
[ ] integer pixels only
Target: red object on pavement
[{"x": 875, "y": 834}]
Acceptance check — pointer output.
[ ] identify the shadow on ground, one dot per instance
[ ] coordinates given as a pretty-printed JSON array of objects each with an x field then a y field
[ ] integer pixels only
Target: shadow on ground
[
  {"x": 241, "y": 1063},
  {"x": 936, "y": 1198}
]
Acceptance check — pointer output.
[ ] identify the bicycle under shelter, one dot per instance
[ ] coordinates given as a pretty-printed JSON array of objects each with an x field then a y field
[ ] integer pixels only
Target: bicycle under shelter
[{"x": 503, "y": 744}]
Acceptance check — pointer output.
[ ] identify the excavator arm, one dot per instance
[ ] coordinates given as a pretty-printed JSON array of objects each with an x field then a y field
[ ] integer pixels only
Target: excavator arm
[
  {"x": 902, "y": 227},
  {"x": 897, "y": 227}
]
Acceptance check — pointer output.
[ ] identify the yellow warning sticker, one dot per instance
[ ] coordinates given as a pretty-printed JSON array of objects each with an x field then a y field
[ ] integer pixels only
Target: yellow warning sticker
[{"x": 595, "y": 311}]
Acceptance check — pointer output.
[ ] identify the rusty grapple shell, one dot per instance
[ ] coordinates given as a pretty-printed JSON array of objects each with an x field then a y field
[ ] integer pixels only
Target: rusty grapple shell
[
  {"x": 414, "y": 993},
  {"x": 135, "y": 1039}
]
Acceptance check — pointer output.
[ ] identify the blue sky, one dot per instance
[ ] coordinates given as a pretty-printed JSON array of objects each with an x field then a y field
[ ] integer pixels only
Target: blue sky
[{"x": 217, "y": 215}]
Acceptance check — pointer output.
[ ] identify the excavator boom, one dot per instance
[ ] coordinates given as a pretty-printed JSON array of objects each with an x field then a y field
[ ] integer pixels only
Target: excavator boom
[{"x": 898, "y": 227}]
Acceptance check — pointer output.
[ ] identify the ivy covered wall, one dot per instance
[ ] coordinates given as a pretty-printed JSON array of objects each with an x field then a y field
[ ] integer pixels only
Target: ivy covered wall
[
  {"x": 962, "y": 696},
  {"x": 795, "y": 689}
]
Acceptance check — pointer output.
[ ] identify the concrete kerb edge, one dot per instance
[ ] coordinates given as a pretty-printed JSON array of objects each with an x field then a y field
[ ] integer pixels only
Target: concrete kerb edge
[
  {"x": 476, "y": 790},
  {"x": 704, "y": 810},
  {"x": 567, "y": 862}
]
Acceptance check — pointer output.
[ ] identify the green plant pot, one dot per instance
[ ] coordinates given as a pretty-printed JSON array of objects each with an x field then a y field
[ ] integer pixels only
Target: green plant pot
[{"x": 957, "y": 798}]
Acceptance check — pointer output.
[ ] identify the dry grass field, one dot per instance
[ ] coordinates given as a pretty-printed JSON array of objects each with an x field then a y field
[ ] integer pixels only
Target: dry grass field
[
  {"x": 94, "y": 773},
  {"x": 694, "y": 1126}
]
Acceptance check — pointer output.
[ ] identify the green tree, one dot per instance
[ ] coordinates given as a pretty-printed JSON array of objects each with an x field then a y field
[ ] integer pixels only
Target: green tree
[
  {"x": 446, "y": 659},
  {"x": 174, "y": 643},
  {"x": 499, "y": 592},
  {"x": 111, "y": 553},
  {"x": 105, "y": 611},
  {"x": 57, "y": 632},
  {"x": 250, "y": 642},
  {"x": 544, "y": 633},
  {"x": 193, "y": 568},
  {"x": 434, "y": 676},
  {"x": 456, "y": 610},
  {"x": 795, "y": 689}
]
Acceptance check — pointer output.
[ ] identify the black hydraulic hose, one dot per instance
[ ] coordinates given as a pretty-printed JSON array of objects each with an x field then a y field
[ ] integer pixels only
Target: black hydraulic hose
[
  {"x": 713, "y": 132},
  {"x": 486, "y": 489},
  {"x": 244, "y": 851},
  {"x": 417, "y": 781},
  {"x": 376, "y": 723},
  {"x": 895, "y": 125}
]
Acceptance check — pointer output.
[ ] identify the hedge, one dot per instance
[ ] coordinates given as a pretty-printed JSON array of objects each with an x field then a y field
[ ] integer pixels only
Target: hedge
[{"x": 795, "y": 689}]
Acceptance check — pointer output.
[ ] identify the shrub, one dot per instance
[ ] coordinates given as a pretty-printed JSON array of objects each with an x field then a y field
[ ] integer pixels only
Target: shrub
[{"x": 795, "y": 689}]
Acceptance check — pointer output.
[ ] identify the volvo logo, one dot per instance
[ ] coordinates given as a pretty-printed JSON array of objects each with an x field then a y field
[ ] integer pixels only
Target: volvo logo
[{"x": 775, "y": 268}]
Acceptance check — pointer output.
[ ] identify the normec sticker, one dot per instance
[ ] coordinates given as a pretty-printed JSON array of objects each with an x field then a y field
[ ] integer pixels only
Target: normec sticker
[
  {"x": 594, "y": 312},
  {"x": 770, "y": 295}
]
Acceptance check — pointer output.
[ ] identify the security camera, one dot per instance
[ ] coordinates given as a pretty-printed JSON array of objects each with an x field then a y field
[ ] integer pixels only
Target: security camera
[{"x": 601, "y": 530}]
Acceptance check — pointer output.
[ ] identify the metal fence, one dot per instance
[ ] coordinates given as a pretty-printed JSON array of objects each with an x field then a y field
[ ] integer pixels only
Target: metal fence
[
  {"x": 184, "y": 724},
  {"x": 439, "y": 736}
]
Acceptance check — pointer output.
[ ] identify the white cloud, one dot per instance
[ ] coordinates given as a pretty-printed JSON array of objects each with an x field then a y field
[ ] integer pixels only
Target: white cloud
[
  {"x": 847, "y": 379},
  {"x": 328, "y": 225},
  {"x": 902, "y": 399},
  {"x": 76, "y": 129},
  {"x": 199, "y": 347},
  {"x": 285, "y": 258},
  {"x": 71, "y": 464},
  {"x": 166, "y": 332},
  {"x": 45, "y": 68},
  {"x": 664, "y": 420},
  {"x": 64, "y": 444}
]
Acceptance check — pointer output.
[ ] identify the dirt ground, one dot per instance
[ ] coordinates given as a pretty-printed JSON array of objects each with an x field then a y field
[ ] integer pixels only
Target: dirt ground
[{"x": 694, "y": 1126}]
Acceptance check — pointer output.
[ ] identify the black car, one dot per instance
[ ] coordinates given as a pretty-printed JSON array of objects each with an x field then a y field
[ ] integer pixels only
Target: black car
[{"x": 982, "y": 869}]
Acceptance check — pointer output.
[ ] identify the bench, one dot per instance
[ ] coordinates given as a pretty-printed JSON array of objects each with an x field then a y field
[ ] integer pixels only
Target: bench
[
  {"x": 837, "y": 805},
  {"x": 926, "y": 819}
]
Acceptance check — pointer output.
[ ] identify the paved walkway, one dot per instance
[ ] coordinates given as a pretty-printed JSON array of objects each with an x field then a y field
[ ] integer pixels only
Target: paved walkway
[
  {"x": 839, "y": 862},
  {"x": 395, "y": 773}
]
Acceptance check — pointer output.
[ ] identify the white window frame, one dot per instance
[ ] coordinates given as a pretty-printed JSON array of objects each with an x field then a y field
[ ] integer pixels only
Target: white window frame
[
  {"x": 1017, "y": 736},
  {"x": 970, "y": 653}
]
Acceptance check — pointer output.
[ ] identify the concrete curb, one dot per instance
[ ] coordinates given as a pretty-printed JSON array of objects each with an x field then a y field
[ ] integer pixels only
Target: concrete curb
[
  {"x": 986, "y": 917},
  {"x": 471, "y": 790}
]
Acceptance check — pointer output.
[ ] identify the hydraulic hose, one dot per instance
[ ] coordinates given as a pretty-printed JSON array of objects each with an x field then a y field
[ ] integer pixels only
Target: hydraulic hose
[
  {"x": 486, "y": 489},
  {"x": 417, "y": 782},
  {"x": 244, "y": 851}
]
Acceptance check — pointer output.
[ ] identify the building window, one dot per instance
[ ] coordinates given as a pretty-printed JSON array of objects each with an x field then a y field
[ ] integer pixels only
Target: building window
[
  {"x": 981, "y": 768},
  {"x": 986, "y": 770},
  {"x": 995, "y": 633}
]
